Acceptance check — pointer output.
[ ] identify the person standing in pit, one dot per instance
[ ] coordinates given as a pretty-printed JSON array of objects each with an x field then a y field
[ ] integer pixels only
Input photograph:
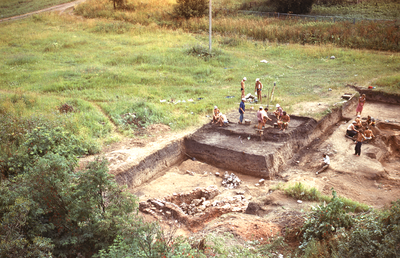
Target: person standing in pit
[
  {"x": 360, "y": 139},
  {"x": 242, "y": 108},
  {"x": 360, "y": 106},
  {"x": 258, "y": 89},
  {"x": 242, "y": 86}
]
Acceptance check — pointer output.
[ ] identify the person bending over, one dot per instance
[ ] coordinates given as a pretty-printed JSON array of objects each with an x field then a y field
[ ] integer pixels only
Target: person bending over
[
  {"x": 223, "y": 121},
  {"x": 351, "y": 130}
]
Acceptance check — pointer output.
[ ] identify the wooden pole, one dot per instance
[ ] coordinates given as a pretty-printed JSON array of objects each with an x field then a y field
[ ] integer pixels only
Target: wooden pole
[{"x": 272, "y": 93}]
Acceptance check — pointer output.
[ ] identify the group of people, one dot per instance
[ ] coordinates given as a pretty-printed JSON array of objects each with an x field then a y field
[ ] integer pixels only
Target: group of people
[
  {"x": 356, "y": 130},
  {"x": 258, "y": 88},
  {"x": 282, "y": 117}
]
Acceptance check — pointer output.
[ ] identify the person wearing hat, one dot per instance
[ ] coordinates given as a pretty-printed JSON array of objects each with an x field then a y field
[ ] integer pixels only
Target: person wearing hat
[
  {"x": 258, "y": 89},
  {"x": 260, "y": 118},
  {"x": 216, "y": 115},
  {"x": 278, "y": 112},
  {"x": 351, "y": 130},
  {"x": 242, "y": 86},
  {"x": 241, "y": 110}
]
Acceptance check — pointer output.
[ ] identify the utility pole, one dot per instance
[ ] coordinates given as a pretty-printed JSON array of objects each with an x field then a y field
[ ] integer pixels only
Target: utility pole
[{"x": 210, "y": 16}]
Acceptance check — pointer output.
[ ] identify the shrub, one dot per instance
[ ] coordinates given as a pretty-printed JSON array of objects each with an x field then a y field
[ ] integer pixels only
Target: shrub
[
  {"x": 372, "y": 235},
  {"x": 293, "y": 6},
  {"x": 300, "y": 192},
  {"x": 54, "y": 211},
  {"x": 190, "y": 8},
  {"x": 324, "y": 220},
  {"x": 38, "y": 143}
]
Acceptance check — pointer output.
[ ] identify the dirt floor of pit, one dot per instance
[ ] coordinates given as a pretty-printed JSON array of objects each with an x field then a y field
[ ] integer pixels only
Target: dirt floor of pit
[{"x": 364, "y": 179}]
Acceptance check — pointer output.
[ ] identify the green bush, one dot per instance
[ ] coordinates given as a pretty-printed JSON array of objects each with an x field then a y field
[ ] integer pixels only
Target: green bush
[
  {"x": 38, "y": 143},
  {"x": 54, "y": 211},
  {"x": 300, "y": 192},
  {"x": 293, "y": 6},
  {"x": 190, "y": 8},
  {"x": 372, "y": 235},
  {"x": 325, "y": 220}
]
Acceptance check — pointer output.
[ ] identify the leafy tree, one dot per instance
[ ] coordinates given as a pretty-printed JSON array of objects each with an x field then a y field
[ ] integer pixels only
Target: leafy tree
[
  {"x": 53, "y": 210},
  {"x": 190, "y": 8},
  {"x": 293, "y": 6},
  {"x": 39, "y": 142}
]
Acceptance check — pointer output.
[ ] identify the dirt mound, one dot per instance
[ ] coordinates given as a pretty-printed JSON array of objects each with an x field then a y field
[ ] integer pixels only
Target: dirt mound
[{"x": 157, "y": 128}]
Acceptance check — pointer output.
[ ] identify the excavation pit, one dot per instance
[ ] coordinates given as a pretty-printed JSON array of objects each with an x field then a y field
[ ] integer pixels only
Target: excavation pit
[{"x": 291, "y": 156}]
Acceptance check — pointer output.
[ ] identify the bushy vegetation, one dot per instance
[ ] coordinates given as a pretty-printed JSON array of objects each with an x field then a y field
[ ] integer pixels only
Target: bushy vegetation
[
  {"x": 330, "y": 231},
  {"x": 377, "y": 35},
  {"x": 293, "y": 6},
  {"x": 324, "y": 220},
  {"x": 301, "y": 192},
  {"x": 190, "y": 8}
]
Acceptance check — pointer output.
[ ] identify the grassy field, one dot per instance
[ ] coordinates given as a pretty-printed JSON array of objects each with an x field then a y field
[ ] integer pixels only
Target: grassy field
[
  {"x": 108, "y": 70},
  {"x": 374, "y": 35},
  {"x": 9, "y": 8}
]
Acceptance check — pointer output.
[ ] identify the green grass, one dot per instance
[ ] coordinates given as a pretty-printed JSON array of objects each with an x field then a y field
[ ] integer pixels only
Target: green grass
[
  {"x": 107, "y": 69},
  {"x": 302, "y": 192},
  {"x": 9, "y": 8}
]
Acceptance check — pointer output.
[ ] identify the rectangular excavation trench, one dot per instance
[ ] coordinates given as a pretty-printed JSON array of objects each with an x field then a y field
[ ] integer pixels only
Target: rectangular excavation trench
[{"x": 235, "y": 148}]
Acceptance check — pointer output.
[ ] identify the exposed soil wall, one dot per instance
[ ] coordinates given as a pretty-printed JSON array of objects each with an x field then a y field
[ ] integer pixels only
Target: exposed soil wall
[
  {"x": 153, "y": 164},
  {"x": 376, "y": 95},
  {"x": 251, "y": 164}
]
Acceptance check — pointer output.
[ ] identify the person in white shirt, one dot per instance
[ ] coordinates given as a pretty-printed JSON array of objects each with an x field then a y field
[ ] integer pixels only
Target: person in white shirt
[
  {"x": 325, "y": 163},
  {"x": 351, "y": 130}
]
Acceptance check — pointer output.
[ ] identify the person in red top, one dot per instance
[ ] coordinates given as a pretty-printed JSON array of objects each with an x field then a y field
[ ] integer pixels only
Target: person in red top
[{"x": 360, "y": 106}]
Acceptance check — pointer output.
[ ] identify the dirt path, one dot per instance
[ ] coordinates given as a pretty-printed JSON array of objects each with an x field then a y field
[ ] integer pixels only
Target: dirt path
[{"x": 59, "y": 8}]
